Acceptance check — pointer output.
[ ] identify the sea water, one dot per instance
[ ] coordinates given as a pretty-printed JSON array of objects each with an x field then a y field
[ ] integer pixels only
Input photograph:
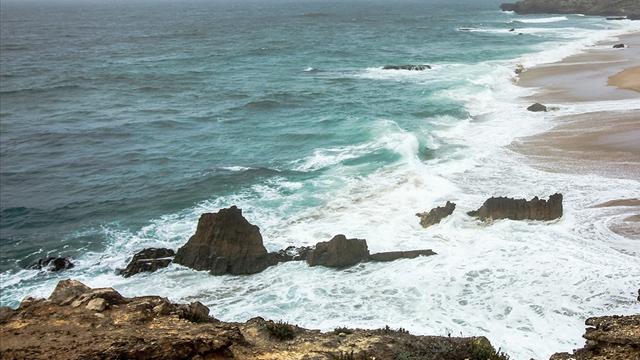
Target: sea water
[{"x": 123, "y": 121}]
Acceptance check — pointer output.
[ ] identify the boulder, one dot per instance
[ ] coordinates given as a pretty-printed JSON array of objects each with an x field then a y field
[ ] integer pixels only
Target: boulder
[
  {"x": 395, "y": 255},
  {"x": 537, "y": 107},
  {"x": 97, "y": 304},
  {"x": 225, "y": 243},
  {"x": 339, "y": 252},
  {"x": 67, "y": 290},
  {"x": 407, "y": 67},
  {"x": 52, "y": 264},
  {"x": 619, "y": 46},
  {"x": 148, "y": 260},
  {"x": 520, "y": 209},
  {"x": 109, "y": 295},
  {"x": 436, "y": 215},
  {"x": 194, "y": 312}
]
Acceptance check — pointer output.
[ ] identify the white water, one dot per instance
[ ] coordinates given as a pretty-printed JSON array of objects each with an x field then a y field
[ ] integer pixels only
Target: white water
[{"x": 527, "y": 286}]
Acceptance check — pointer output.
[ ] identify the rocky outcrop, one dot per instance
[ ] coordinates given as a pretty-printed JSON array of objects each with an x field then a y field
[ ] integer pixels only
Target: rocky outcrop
[
  {"x": 587, "y": 7},
  {"x": 537, "y": 107},
  {"x": 153, "y": 328},
  {"x": 608, "y": 337},
  {"x": 436, "y": 215},
  {"x": 148, "y": 260},
  {"x": 395, "y": 255},
  {"x": 52, "y": 264},
  {"x": 225, "y": 243},
  {"x": 339, "y": 252},
  {"x": 292, "y": 253},
  {"x": 520, "y": 209},
  {"x": 407, "y": 67}
]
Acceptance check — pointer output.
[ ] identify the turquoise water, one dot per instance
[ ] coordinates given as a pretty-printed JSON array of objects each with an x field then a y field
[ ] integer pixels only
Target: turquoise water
[{"x": 121, "y": 122}]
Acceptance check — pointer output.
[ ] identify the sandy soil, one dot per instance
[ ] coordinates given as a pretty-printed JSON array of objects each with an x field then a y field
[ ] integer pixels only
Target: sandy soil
[{"x": 627, "y": 79}]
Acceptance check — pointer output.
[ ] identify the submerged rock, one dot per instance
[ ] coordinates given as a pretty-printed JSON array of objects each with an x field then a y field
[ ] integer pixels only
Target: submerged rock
[
  {"x": 407, "y": 67},
  {"x": 148, "y": 260},
  {"x": 436, "y": 215},
  {"x": 520, "y": 209},
  {"x": 225, "y": 243},
  {"x": 619, "y": 46},
  {"x": 339, "y": 252},
  {"x": 53, "y": 264},
  {"x": 395, "y": 255},
  {"x": 292, "y": 253},
  {"x": 537, "y": 107}
]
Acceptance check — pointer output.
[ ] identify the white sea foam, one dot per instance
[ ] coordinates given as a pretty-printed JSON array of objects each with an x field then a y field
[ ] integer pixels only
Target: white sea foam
[{"x": 541, "y": 20}]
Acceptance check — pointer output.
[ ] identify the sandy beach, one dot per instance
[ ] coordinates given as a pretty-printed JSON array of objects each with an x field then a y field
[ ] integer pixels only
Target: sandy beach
[{"x": 605, "y": 143}]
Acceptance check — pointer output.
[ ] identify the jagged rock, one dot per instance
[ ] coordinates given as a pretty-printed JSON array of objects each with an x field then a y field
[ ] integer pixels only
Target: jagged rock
[
  {"x": 407, "y": 67},
  {"x": 109, "y": 295},
  {"x": 225, "y": 243},
  {"x": 608, "y": 337},
  {"x": 436, "y": 215},
  {"x": 52, "y": 264},
  {"x": 292, "y": 253},
  {"x": 395, "y": 255},
  {"x": 5, "y": 314},
  {"x": 586, "y": 7},
  {"x": 67, "y": 290},
  {"x": 338, "y": 252},
  {"x": 619, "y": 46},
  {"x": 97, "y": 304},
  {"x": 520, "y": 209},
  {"x": 148, "y": 260},
  {"x": 194, "y": 312},
  {"x": 537, "y": 107},
  {"x": 135, "y": 331}
]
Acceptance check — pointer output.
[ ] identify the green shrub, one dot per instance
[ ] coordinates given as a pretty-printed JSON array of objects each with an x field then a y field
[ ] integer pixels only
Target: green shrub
[{"x": 281, "y": 330}]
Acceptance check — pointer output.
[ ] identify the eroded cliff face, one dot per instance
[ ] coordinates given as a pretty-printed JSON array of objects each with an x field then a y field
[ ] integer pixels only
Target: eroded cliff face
[
  {"x": 630, "y": 8},
  {"x": 78, "y": 322}
]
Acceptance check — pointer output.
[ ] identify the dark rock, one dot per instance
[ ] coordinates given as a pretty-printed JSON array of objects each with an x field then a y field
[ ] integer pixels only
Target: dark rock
[
  {"x": 537, "y": 107},
  {"x": 67, "y": 290},
  {"x": 148, "y": 260},
  {"x": 436, "y": 215},
  {"x": 519, "y": 69},
  {"x": 395, "y": 255},
  {"x": 618, "y": 46},
  {"x": 292, "y": 253},
  {"x": 194, "y": 312},
  {"x": 225, "y": 243},
  {"x": 339, "y": 252},
  {"x": 407, "y": 67},
  {"x": 617, "y": 18},
  {"x": 512, "y": 30},
  {"x": 53, "y": 264},
  {"x": 586, "y": 7},
  {"x": 520, "y": 209}
]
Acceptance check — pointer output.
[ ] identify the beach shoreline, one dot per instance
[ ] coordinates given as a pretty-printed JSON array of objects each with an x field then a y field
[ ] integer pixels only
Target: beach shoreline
[{"x": 602, "y": 138}]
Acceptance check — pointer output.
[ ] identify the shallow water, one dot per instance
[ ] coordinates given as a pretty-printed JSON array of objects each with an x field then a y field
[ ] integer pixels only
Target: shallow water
[{"x": 121, "y": 123}]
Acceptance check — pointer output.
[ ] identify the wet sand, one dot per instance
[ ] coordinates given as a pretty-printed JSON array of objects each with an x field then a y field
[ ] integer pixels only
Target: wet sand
[{"x": 606, "y": 143}]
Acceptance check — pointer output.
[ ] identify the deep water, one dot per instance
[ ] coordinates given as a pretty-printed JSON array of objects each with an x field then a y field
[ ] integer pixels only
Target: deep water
[{"x": 122, "y": 121}]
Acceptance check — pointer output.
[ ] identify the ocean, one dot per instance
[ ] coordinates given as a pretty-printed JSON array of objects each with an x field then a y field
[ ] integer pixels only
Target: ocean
[{"x": 123, "y": 121}]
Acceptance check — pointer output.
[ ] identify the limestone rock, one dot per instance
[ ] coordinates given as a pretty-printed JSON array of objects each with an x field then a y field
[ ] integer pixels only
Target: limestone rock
[
  {"x": 225, "y": 243},
  {"x": 97, "y": 304},
  {"x": 339, "y": 252},
  {"x": 520, "y": 209},
  {"x": 67, "y": 290},
  {"x": 148, "y": 260},
  {"x": 436, "y": 214}
]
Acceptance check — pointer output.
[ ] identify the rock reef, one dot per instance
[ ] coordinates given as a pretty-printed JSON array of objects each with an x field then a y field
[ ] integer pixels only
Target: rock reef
[
  {"x": 64, "y": 327},
  {"x": 148, "y": 260},
  {"x": 435, "y": 215},
  {"x": 407, "y": 67},
  {"x": 628, "y": 8},
  {"x": 520, "y": 209},
  {"x": 54, "y": 264}
]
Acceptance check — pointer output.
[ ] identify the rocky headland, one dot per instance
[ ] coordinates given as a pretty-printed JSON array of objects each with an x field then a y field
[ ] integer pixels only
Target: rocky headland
[
  {"x": 77, "y": 322},
  {"x": 623, "y": 8}
]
